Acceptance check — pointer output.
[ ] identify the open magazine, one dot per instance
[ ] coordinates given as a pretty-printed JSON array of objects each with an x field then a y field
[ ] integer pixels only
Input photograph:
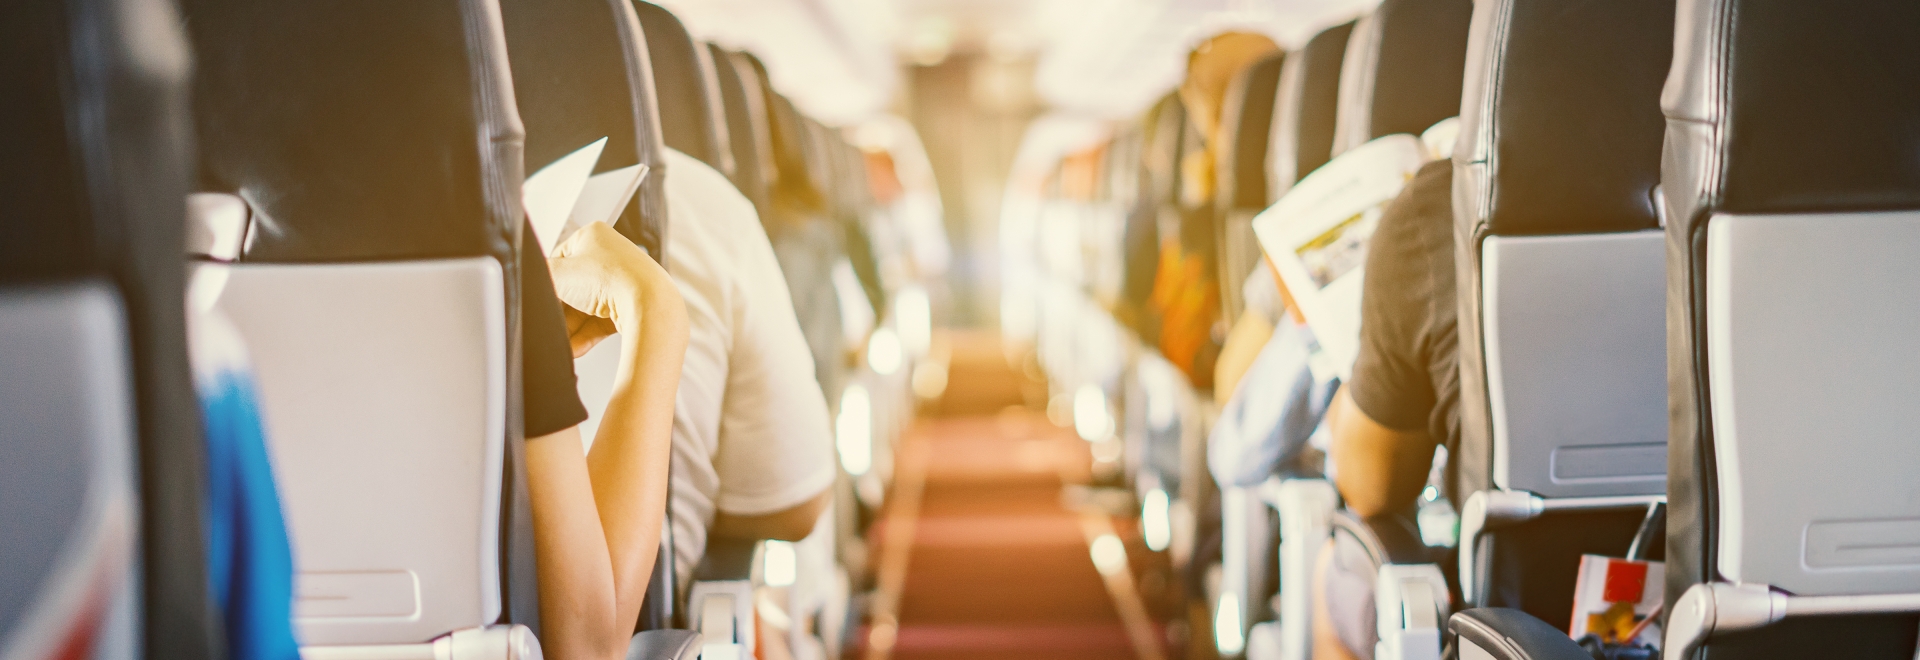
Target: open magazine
[
  {"x": 566, "y": 195},
  {"x": 1317, "y": 235}
]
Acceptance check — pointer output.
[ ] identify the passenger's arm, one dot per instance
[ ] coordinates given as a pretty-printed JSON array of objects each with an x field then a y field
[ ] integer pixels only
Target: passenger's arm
[
  {"x": 578, "y": 599},
  {"x": 1244, "y": 341},
  {"x": 1377, "y": 469},
  {"x": 789, "y": 524},
  {"x": 597, "y": 518}
]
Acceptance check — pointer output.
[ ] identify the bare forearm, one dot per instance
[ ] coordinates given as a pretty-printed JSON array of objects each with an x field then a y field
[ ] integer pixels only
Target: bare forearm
[
  {"x": 1378, "y": 469},
  {"x": 577, "y": 602},
  {"x": 628, "y": 463}
]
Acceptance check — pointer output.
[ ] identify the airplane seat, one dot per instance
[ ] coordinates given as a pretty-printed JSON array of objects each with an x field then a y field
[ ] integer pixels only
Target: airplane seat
[
  {"x": 1401, "y": 71},
  {"x": 1312, "y": 103},
  {"x": 376, "y": 151},
  {"x": 581, "y": 73},
  {"x": 105, "y": 552},
  {"x": 1304, "y": 107},
  {"x": 746, "y": 127},
  {"x": 1560, "y": 261},
  {"x": 1789, "y": 200},
  {"x": 691, "y": 112},
  {"x": 1245, "y": 119},
  {"x": 761, "y": 116},
  {"x": 565, "y": 103},
  {"x": 1300, "y": 141},
  {"x": 844, "y": 174},
  {"x": 1400, "y": 74},
  {"x": 1793, "y": 213}
]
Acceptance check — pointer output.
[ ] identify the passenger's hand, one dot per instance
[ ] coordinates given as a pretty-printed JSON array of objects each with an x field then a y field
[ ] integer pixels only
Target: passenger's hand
[
  {"x": 608, "y": 283},
  {"x": 585, "y": 331}
]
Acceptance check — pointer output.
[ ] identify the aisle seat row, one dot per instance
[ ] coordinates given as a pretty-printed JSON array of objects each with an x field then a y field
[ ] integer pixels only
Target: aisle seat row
[
  {"x": 1629, "y": 181},
  {"x": 357, "y": 218}
]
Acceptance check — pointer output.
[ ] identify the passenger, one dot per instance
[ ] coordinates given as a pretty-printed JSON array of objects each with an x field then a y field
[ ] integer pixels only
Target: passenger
[
  {"x": 1273, "y": 410},
  {"x": 809, "y": 244},
  {"x": 1401, "y": 402},
  {"x": 752, "y": 441},
  {"x": 249, "y": 559},
  {"x": 1185, "y": 293},
  {"x": 597, "y": 515}
]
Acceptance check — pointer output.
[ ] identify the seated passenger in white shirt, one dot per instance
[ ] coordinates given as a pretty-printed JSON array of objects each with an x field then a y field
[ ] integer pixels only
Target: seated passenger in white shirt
[{"x": 752, "y": 439}]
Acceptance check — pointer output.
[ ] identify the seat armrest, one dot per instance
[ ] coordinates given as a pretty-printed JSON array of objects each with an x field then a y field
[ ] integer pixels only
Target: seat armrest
[
  {"x": 666, "y": 644},
  {"x": 1498, "y": 633},
  {"x": 722, "y": 610},
  {"x": 1411, "y": 606},
  {"x": 1306, "y": 508},
  {"x": 1388, "y": 539}
]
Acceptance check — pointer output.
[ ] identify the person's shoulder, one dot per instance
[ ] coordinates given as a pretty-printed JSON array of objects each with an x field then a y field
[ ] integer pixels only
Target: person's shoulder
[
  {"x": 1423, "y": 207},
  {"x": 690, "y": 175},
  {"x": 719, "y": 210},
  {"x": 1431, "y": 189},
  {"x": 1439, "y": 170}
]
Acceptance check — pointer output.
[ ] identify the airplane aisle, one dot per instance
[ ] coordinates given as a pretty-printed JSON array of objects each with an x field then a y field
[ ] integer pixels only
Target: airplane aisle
[{"x": 983, "y": 553}]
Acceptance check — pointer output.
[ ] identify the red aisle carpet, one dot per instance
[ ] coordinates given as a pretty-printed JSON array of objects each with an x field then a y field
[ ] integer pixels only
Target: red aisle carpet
[{"x": 985, "y": 560}]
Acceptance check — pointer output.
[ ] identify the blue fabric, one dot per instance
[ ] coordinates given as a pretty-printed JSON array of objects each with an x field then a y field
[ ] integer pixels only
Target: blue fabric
[
  {"x": 1272, "y": 412},
  {"x": 249, "y": 559}
]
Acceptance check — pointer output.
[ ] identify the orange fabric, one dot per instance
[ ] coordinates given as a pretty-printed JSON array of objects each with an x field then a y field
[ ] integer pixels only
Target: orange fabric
[{"x": 1188, "y": 300}]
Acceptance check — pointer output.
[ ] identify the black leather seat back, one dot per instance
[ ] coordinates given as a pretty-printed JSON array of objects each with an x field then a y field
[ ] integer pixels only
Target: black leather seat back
[
  {"x": 1246, "y": 118},
  {"x": 1560, "y": 118},
  {"x": 1303, "y": 112},
  {"x": 1791, "y": 184},
  {"x": 1402, "y": 69},
  {"x": 359, "y": 131},
  {"x": 581, "y": 73},
  {"x": 691, "y": 114},
  {"x": 96, "y": 136},
  {"x": 1246, "y": 121}
]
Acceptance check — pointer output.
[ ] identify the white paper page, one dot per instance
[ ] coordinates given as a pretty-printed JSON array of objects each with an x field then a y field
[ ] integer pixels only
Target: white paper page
[
  {"x": 603, "y": 197},
  {"x": 1316, "y": 236},
  {"x": 549, "y": 194}
]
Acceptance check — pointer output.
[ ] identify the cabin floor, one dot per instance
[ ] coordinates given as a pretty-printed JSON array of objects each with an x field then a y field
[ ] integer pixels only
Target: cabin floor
[{"x": 987, "y": 545}]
